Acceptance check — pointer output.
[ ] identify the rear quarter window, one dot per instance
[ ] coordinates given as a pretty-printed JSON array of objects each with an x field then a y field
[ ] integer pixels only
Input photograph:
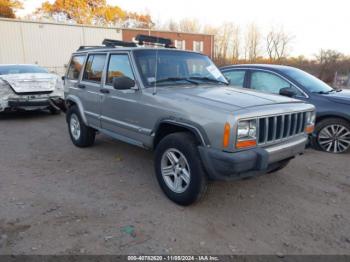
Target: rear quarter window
[{"x": 75, "y": 67}]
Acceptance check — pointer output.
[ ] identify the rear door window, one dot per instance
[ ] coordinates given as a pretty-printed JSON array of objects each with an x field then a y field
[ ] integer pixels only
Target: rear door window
[
  {"x": 94, "y": 68},
  {"x": 75, "y": 67},
  {"x": 236, "y": 77}
]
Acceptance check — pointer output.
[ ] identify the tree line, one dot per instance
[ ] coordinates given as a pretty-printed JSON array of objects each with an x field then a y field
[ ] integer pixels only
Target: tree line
[
  {"x": 236, "y": 45},
  {"x": 92, "y": 12},
  {"x": 233, "y": 43}
]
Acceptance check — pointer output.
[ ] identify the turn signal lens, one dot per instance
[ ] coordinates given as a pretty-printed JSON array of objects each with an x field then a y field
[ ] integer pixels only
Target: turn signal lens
[
  {"x": 245, "y": 144},
  {"x": 309, "y": 129},
  {"x": 226, "y": 137}
]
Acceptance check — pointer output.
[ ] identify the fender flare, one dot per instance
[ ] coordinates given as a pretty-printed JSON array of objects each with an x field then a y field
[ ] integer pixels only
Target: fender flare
[
  {"x": 76, "y": 100},
  {"x": 196, "y": 129}
]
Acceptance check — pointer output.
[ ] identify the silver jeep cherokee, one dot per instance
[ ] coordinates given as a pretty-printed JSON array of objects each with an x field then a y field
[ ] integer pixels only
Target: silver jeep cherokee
[{"x": 178, "y": 104}]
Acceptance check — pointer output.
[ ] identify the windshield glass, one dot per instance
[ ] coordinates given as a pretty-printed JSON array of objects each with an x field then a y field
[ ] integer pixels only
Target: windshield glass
[
  {"x": 167, "y": 67},
  {"x": 310, "y": 82},
  {"x": 21, "y": 69}
]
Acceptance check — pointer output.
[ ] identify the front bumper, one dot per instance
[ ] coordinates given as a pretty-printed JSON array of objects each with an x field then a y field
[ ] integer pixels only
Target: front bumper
[
  {"x": 252, "y": 162},
  {"x": 32, "y": 103}
]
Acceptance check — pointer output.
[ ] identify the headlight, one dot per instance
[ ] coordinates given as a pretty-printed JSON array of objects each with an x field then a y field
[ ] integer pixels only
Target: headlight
[
  {"x": 246, "y": 134},
  {"x": 310, "y": 122},
  {"x": 246, "y": 129},
  {"x": 311, "y": 117}
]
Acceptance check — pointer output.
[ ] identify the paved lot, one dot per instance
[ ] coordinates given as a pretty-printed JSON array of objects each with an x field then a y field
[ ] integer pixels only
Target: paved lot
[{"x": 58, "y": 199}]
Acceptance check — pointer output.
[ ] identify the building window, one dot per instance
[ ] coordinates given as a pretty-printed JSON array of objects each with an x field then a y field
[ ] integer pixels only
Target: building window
[
  {"x": 198, "y": 46},
  {"x": 180, "y": 44}
]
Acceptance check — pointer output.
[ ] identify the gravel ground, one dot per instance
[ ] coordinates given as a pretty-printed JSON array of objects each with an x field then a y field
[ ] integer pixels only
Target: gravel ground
[{"x": 59, "y": 199}]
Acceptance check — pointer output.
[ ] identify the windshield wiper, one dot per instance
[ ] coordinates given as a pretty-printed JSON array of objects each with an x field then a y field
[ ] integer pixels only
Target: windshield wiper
[
  {"x": 208, "y": 79},
  {"x": 174, "y": 79}
]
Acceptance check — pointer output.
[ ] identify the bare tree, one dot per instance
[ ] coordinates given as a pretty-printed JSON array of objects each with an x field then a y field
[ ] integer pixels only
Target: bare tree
[
  {"x": 252, "y": 43},
  {"x": 328, "y": 61},
  {"x": 189, "y": 25},
  {"x": 227, "y": 42},
  {"x": 277, "y": 44}
]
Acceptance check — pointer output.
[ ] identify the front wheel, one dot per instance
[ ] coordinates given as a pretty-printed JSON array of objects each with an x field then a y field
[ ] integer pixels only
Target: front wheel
[
  {"x": 80, "y": 134},
  {"x": 332, "y": 135},
  {"x": 179, "y": 170}
]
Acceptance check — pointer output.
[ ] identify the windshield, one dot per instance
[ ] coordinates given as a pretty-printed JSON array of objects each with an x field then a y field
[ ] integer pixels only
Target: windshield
[
  {"x": 310, "y": 82},
  {"x": 21, "y": 69},
  {"x": 167, "y": 67}
]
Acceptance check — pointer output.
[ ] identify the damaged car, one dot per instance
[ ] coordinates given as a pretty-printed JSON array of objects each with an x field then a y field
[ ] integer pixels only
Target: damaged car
[{"x": 30, "y": 87}]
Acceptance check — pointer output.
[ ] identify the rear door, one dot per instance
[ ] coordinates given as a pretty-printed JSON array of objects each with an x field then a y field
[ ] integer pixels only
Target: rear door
[
  {"x": 90, "y": 86},
  {"x": 121, "y": 109}
]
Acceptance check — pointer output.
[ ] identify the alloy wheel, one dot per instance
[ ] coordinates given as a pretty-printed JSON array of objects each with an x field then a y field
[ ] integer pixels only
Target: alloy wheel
[
  {"x": 334, "y": 138},
  {"x": 75, "y": 126},
  {"x": 175, "y": 170}
]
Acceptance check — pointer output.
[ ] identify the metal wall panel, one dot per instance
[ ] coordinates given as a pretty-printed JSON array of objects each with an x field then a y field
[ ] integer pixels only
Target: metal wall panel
[{"x": 47, "y": 44}]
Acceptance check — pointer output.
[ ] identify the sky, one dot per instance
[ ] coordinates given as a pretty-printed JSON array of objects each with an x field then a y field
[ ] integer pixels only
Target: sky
[{"x": 314, "y": 24}]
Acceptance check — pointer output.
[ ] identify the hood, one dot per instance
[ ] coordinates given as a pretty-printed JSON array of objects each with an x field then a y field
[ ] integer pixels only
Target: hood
[
  {"x": 31, "y": 82},
  {"x": 342, "y": 97},
  {"x": 222, "y": 96}
]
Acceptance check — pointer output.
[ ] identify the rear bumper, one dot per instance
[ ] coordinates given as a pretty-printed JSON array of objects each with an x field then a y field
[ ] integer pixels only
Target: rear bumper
[{"x": 230, "y": 166}]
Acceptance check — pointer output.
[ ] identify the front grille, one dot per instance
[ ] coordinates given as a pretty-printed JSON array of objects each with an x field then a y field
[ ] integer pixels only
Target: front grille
[{"x": 274, "y": 128}]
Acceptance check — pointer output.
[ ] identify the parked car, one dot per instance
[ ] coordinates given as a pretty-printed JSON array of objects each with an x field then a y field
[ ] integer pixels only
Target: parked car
[
  {"x": 29, "y": 87},
  {"x": 178, "y": 104},
  {"x": 332, "y": 131}
]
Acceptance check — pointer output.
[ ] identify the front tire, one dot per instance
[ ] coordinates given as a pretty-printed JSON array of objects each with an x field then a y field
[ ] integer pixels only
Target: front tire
[
  {"x": 332, "y": 135},
  {"x": 80, "y": 134},
  {"x": 179, "y": 170}
]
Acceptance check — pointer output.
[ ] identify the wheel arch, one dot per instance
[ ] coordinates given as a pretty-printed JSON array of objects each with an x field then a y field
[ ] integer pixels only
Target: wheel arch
[
  {"x": 167, "y": 126},
  {"x": 331, "y": 115},
  {"x": 73, "y": 100}
]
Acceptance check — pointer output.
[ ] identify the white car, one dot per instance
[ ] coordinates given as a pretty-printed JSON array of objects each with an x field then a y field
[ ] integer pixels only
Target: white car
[{"x": 30, "y": 87}]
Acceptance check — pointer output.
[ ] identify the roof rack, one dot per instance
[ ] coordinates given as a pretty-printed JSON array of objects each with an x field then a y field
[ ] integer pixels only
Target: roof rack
[
  {"x": 83, "y": 47},
  {"x": 141, "y": 40},
  {"x": 154, "y": 40},
  {"x": 115, "y": 43}
]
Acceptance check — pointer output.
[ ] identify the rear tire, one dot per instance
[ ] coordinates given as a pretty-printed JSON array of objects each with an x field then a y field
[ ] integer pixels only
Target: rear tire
[
  {"x": 332, "y": 135},
  {"x": 179, "y": 169},
  {"x": 80, "y": 134}
]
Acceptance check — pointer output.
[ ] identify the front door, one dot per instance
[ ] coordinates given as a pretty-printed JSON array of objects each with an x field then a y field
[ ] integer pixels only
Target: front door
[{"x": 121, "y": 110}]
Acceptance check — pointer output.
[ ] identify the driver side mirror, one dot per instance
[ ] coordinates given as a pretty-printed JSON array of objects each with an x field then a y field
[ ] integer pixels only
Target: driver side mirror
[
  {"x": 288, "y": 91},
  {"x": 123, "y": 83}
]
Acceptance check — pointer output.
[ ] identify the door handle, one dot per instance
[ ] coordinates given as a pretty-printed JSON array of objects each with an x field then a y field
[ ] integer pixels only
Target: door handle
[
  {"x": 104, "y": 91},
  {"x": 81, "y": 86}
]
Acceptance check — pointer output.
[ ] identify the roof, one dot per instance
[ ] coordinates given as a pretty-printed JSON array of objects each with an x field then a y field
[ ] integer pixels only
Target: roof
[
  {"x": 109, "y": 49},
  {"x": 259, "y": 66}
]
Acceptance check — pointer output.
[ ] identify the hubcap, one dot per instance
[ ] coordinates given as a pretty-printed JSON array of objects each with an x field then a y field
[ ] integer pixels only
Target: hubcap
[
  {"x": 74, "y": 126},
  {"x": 334, "y": 138},
  {"x": 175, "y": 170}
]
